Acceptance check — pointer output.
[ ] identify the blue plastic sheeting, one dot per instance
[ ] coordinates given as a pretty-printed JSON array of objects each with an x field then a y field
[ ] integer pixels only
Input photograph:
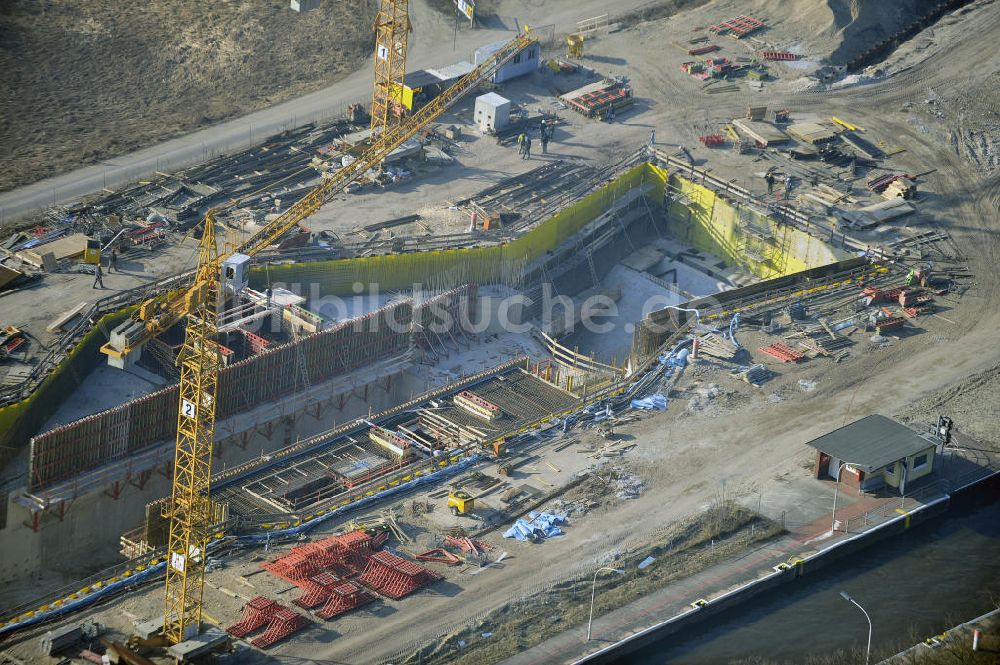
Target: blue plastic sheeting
[
  {"x": 80, "y": 603},
  {"x": 540, "y": 524},
  {"x": 402, "y": 487},
  {"x": 657, "y": 401},
  {"x": 677, "y": 357},
  {"x": 145, "y": 575}
]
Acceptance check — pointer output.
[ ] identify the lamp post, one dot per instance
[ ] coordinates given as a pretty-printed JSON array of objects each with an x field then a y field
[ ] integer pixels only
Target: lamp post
[
  {"x": 836, "y": 491},
  {"x": 868, "y": 652},
  {"x": 593, "y": 593}
]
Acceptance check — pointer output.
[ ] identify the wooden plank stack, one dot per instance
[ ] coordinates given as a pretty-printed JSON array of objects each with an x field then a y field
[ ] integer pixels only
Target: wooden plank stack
[{"x": 717, "y": 346}]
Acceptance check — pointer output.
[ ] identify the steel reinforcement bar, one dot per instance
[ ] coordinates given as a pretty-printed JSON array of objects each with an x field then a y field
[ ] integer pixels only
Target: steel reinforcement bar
[
  {"x": 651, "y": 331},
  {"x": 127, "y": 429}
]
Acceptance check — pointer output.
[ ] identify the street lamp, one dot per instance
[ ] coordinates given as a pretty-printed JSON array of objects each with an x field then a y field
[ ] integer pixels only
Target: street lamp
[
  {"x": 836, "y": 491},
  {"x": 593, "y": 592},
  {"x": 868, "y": 653}
]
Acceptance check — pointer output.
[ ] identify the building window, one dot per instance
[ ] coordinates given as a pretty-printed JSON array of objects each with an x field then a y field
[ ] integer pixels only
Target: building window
[
  {"x": 890, "y": 469},
  {"x": 531, "y": 54},
  {"x": 919, "y": 462},
  {"x": 517, "y": 58}
]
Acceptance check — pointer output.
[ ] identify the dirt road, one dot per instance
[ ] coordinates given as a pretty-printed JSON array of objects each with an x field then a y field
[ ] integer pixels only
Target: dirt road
[
  {"x": 756, "y": 444},
  {"x": 435, "y": 42},
  {"x": 752, "y": 442}
]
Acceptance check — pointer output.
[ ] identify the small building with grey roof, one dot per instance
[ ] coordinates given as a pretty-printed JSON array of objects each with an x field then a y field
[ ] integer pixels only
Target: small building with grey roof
[{"x": 875, "y": 452}]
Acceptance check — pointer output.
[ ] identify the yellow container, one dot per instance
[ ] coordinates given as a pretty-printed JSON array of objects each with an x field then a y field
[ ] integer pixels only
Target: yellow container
[{"x": 92, "y": 254}]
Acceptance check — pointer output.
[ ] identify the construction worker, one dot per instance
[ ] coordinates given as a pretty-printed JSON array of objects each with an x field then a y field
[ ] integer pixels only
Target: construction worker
[
  {"x": 924, "y": 274},
  {"x": 545, "y": 144},
  {"x": 769, "y": 179},
  {"x": 113, "y": 261},
  {"x": 98, "y": 276},
  {"x": 652, "y": 137},
  {"x": 527, "y": 146}
]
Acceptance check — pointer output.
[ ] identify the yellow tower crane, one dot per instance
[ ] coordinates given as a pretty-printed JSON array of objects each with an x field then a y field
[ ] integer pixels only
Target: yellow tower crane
[
  {"x": 190, "y": 510},
  {"x": 392, "y": 27}
]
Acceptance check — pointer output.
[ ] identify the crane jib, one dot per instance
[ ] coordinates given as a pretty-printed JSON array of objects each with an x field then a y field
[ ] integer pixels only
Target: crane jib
[
  {"x": 159, "y": 317},
  {"x": 382, "y": 146}
]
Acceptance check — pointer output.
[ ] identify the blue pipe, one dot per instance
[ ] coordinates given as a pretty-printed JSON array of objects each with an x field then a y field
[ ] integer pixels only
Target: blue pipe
[
  {"x": 251, "y": 539},
  {"x": 733, "y": 325}
]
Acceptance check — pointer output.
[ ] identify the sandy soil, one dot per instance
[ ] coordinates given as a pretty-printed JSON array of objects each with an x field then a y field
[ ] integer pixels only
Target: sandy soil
[
  {"x": 751, "y": 440},
  {"x": 88, "y": 81},
  {"x": 85, "y": 80},
  {"x": 686, "y": 454}
]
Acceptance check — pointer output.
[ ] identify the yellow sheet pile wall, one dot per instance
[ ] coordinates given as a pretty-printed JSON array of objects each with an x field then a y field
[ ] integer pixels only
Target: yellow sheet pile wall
[
  {"x": 712, "y": 224},
  {"x": 709, "y": 223},
  {"x": 447, "y": 268}
]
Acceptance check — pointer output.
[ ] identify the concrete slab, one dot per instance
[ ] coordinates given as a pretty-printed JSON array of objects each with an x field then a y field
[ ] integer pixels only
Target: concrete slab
[{"x": 641, "y": 294}]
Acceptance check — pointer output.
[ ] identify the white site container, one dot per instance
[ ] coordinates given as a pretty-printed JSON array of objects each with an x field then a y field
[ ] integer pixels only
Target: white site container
[{"x": 492, "y": 112}]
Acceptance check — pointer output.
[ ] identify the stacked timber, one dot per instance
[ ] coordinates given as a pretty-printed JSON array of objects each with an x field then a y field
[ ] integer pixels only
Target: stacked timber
[{"x": 713, "y": 344}]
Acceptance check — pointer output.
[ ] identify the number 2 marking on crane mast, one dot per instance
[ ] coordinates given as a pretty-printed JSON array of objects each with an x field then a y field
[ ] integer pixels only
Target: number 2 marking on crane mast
[{"x": 187, "y": 409}]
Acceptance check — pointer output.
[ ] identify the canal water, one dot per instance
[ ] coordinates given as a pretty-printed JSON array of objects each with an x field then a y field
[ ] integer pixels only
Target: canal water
[{"x": 914, "y": 585}]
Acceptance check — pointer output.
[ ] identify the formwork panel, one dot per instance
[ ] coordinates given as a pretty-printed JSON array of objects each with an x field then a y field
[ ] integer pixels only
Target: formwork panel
[
  {"x": 63, "y": 453},
  {"x": 450, "y": 267},
  {"x": 66, "y": 451}
]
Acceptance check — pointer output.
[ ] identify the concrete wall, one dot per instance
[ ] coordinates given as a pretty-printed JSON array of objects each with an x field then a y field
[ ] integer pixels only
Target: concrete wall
[
  {"x": 809, "y": 563},
  {"x": 89, "y": 532},
  {"x": 273, "y": 374},
  {"x": 498, "y": 264},
  {"x": 86, "y": 539}
]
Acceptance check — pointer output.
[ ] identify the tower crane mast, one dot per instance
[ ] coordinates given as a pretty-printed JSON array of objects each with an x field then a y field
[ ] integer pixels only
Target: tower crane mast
[
  {"x": 392, "y": 27},
  {"x": 190, "y": 510},
  {"x": 190, "y": 507}
]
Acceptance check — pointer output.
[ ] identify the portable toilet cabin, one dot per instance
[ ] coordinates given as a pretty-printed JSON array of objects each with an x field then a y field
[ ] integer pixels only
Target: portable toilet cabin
[{"x": 492, "y": 112}]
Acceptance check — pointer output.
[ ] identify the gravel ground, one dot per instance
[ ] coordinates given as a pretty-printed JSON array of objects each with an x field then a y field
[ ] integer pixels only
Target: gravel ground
[{"x": 742, "y": 439}]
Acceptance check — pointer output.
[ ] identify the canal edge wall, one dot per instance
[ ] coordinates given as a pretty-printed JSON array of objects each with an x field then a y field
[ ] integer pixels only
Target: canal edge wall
[{"x": 789, "y": 571}]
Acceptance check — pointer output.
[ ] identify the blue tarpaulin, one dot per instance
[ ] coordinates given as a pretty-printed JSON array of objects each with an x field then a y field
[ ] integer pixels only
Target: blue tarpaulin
[
  {"x": 657, "y": 401},
  {"x": 538, "y": 524}
]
